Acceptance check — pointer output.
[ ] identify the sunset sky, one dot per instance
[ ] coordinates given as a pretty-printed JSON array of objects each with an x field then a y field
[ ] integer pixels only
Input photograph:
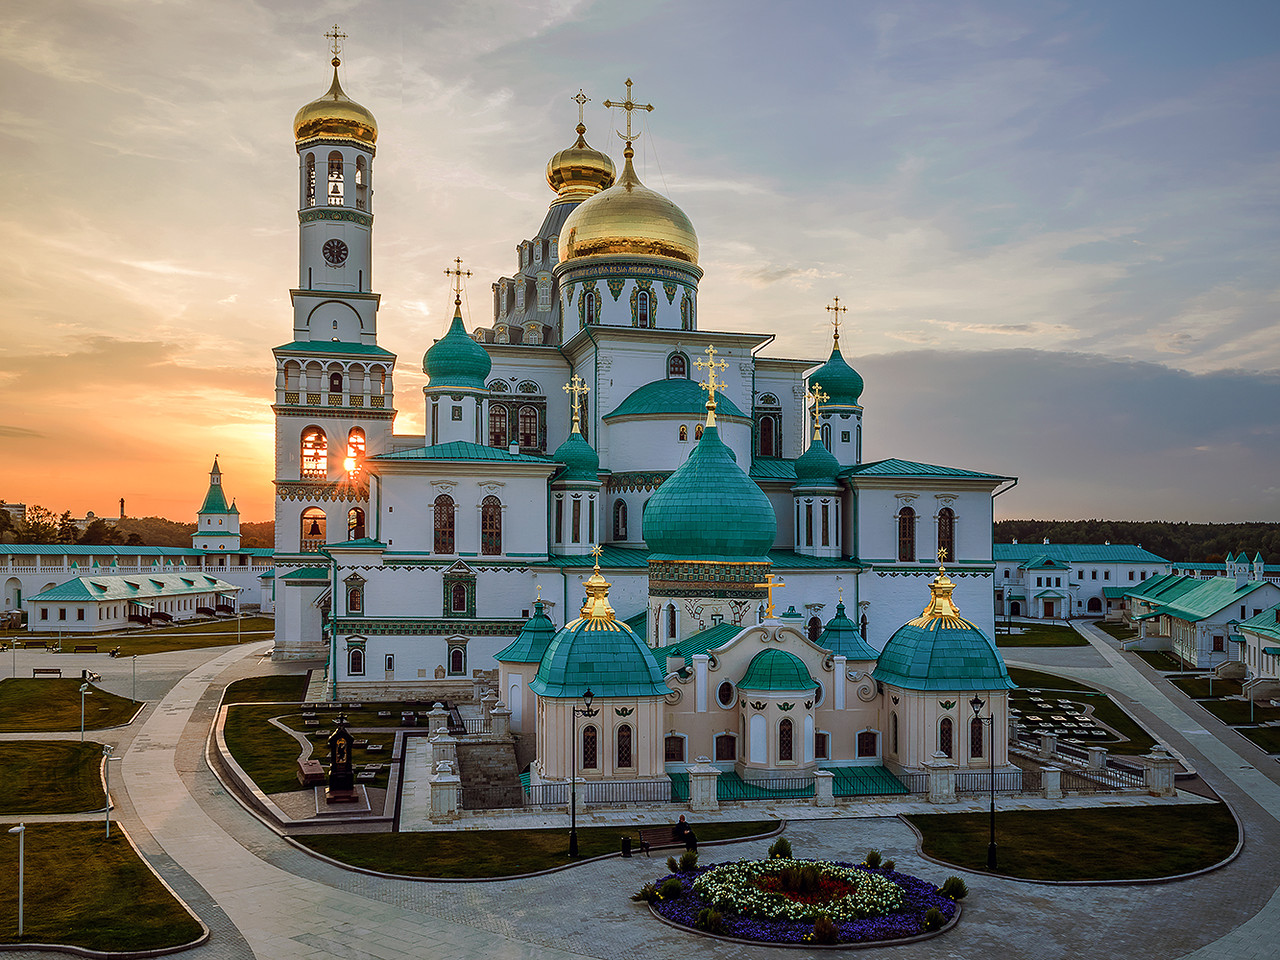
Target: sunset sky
[{"x": 1054, "y": 224}]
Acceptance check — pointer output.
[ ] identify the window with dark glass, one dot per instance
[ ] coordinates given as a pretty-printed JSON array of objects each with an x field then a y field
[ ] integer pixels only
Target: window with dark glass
[
  {"x": 947, "y": 532},
  {"x": 490, "y": 526},
  {"x": 624, "y": 745},
  {"x": 590, "y": 748},
  {"x": 444, "y": 524},
  {"x": 975, "y": 737},
  {"x": 906, "y": 534},
  {"x": 786, "y": 740},
  {"x": 945, "y": 737}
]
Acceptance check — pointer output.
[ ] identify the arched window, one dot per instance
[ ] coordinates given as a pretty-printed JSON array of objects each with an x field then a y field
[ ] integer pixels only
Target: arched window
[
  {"x": 862, "y": 626},
  {"x": 906, "y": 534},
  {"x": 362, "y": 185},
  {"x": 497, "y": 425},
  {"x": 355, "y": 662},
  {"x": 355, "y": 452},
  {"x": 767, "y": 433},
  {"x": 686, "y": 309},
  {"x": 947, "y": 532},
  {"x": 355, "y": 523},
  {"x": 893, "y": 732},
  {"x": 444, "y": 523},
  {"x": 642, "y": 309},
  {"x": 335, "y": 179},
  {"x": 457, "y": 661},
  {"x": 315, "y": 454},
  {"x": 311, "y": 180},
  {"x": 313, "y": 527},
  {"x": 619, "y": 519},
  {"x": 815, "y": 629},
  {"x": 355, "y": 599},
  {"x": 624, "y": 746},
  {"x": 677, "y": 367},
  {"x": 590, "y": 751},
  {"x": 589, "y": 306},
  {"x": 826, "y": 435},
  {"x": 946, "y": 745},
  {"x": 491, "y": 526},
  {"x": 458, "y": 598},
  {"x": 528, "y": 422},
  {"x": 673, "y": 749},
  {"x": 726, "y": 747},
  {"x": 671, "y": 620},
  {"x": 786, "y": 740},
  {"x": 975, "y": 738},
  {"x": 868, "y": 744}
]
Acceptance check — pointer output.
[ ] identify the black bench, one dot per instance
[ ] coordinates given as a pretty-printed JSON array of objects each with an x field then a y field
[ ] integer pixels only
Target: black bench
[
  {"x": 46, "y": 671},
  {"x": 35, "y": 644},
  {"x": 658, "y": 837},
  {"x": 86, "y": 648}
]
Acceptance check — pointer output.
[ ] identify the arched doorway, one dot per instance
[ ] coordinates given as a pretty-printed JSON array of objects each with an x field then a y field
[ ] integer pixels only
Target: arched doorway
[
  {"x": 1015, "y": 609},
  {"x": 1094, "y": 605}
]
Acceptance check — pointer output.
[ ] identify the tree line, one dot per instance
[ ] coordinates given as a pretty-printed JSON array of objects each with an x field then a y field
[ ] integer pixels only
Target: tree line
[
  {"x": 1179, "y": 542},
  {"x": 41, "y": 525}
]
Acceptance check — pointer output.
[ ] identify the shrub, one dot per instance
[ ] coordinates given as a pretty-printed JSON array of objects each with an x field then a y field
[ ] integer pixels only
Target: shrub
[
  {"x": 688, "y": 861},
  {"x": 873, "y": 858},
  {"x": 648, "y": 893},
  {"x": 954, "y": 887},
  {"x": 799, "y": 879},
  {"x": 824, "y": 930},
  {"x": 671, "y": 888},
  {"x": 780, "y": 849},
  {"x": 709, "y": 920},
  {"x": 933, "y": 919},
  {"x": 889, "y": 865},
  {"x": 673, "y": 864}
]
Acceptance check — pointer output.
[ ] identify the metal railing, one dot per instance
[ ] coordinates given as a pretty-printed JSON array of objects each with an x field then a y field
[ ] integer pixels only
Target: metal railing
[
  {"x": 601, "y": 793},
  {"x": 1105, "y": 780},
  {"x": 473, "y": 725},
  {"x": 915, "y": 782},
  {"x": 979, "y": 781}
]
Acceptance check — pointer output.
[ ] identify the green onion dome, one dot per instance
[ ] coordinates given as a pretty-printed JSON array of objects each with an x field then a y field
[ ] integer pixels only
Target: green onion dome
[
  {"x": 600, "y": 653},
  {"x": 839, "y": 381},
  {"x": 677, "y": 396},
  {"x": 710, "y": 510},
  {"x": 535, "y": 637},
  {"x": 456, "y": 360},
  {"x": 940, "y": 650},
  {"x": 581, "y": 462},
  {"x": 816, "y": 466},
  {"x": 843, "y": 638},
  {"x": 777, "y": 670}
]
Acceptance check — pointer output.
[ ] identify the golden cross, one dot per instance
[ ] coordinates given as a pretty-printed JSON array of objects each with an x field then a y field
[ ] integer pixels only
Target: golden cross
[
  {"x": 837, "y": 310},
  {"x": 819, "y": 397},
  {"x": 581, "y": 100},
  {"x": 457, "y": 273},
  {"x": 595, "y": 552},
  {"x": 577, "y": 387},
  {"x": 711, "y": 365},
  {"x": 337, "y": 39},
  {"x": 629, "y": 105},
  {"x": 539, "y": 586},
  {"x": 770, "y": 586},
  {"x": 942, "y": 555}
]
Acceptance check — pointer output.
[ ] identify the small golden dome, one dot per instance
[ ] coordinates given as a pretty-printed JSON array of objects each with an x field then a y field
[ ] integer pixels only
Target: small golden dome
[
  {"x": 579, "y": 172},
  {"x": 628, "y": 218},
  {"x": 335, "y": 116}
]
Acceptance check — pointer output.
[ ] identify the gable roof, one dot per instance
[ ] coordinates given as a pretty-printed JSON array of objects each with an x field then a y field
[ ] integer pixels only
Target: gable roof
[
  {"x": 914, "y": 469},
  {"x": 702, "y": 642},
  {"x": 463, "y": 450},
  {"x": 141, "y": 587},
  {"x": 1207, "y": 598},
  {"x": 1075, "y": 552}
]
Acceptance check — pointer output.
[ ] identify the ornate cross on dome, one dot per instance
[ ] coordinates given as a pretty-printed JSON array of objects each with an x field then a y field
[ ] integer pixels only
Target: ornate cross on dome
[
  {"x": 711, "y": 365},
  {"x": 942, "y": 556},
  {"x": 336, "y": 39},
  {"x": 578, "y": 388},
  {"x": 629, "y": 105},
  {"x": 837, "y": 310},
  {"x": 818, "y": 396},
  {"x": 769, "y": 585},
  {"x": 457, "y": 273},
  {"x": 581, "y": 100}
]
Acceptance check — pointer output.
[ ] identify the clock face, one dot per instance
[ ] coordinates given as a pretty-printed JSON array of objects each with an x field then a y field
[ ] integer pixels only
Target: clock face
[{"x": 335, "y": 251}]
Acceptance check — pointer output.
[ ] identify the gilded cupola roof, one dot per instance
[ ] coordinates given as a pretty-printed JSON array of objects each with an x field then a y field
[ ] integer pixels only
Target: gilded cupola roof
[
  {"x": 579, "y": 172},
  {"x": 335, "y": 116}
]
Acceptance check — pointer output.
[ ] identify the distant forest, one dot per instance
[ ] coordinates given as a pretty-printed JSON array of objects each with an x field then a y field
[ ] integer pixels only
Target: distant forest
[
  {"x": 42, "y": 525},
  {"x": 1208, "y": 542}
]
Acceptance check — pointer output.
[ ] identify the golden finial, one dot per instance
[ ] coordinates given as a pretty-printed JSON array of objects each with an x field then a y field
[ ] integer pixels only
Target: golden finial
[
  {"x": 818, "y": 397},
  {"x": 942, "y": 555},
  {"x": 336, "y": 45},
  {"x": 711, "y": 365},
  {"x": 628, "y": 105},
  {"x": 581, "y": 100},
  {"x": 769, "y": 585},
  {"x": 597, "y": 605},
  {"x": 836, "y": 310},
  {"x": 539, "y": 596},
  {"x": 578, "y": 388},
  {"x": 595, "y": 552},
  {"x": 457, "y": 273},
  {"x": 840, "y": 594},
  {"x": 941, "y": 605}
]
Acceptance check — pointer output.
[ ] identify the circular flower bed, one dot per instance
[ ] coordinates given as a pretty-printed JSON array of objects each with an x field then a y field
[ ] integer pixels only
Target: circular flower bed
[{"x": 780, "y": 900}]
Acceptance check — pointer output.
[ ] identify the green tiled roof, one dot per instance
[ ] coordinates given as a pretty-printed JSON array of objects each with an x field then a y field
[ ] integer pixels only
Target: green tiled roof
[
  {"x": 843, "y": 638},
  {"x": 1043, "y": 561},
  {"x": 911, "y": 468},
  {"x": 1115, "y": 593},
  {"x": 581, "y": 462},
  {"x": 535, "y": 637},
  {"x": 675, "y": 396},
  {"x": 363, "y": 543},
  {"x": 142, "y": 587},
  {"x": 603, "y": 656},
  {"x": 942, "y": 656},
  {"x": 1274, "y": 651},
  {"x": 701, "y": 642},
  {"x": 816, "y": 466},
  {"x": 777, "y": 671},
  {"x": 215, "y": 501},
  {"x": 1208, "y": 598},
  {"x": 639, "y": 624},
  {"x": 773, "y": 468},
  {"x": 307, "y": 573},
  {"x": 335, "y": 348},
  {"x": 462, "y": 450},
  {"x": 456, "y": 360},
  {"x": 1074, "y": 552},
  {"x": 709, "y": 509},
  {"x": 839, "y": 381},
  {"x": 1265, "y": 623}
]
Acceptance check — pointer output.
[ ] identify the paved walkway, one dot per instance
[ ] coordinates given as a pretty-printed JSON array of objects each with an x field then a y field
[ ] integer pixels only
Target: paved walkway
[{"x": 267, "y": 899}]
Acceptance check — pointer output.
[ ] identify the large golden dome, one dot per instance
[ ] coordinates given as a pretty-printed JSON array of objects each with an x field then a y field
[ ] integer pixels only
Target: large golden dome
[
  {"x": 579, "y": 172},
  {"x": 628, "y": 218},
  {"x": 335, "y": 116}
]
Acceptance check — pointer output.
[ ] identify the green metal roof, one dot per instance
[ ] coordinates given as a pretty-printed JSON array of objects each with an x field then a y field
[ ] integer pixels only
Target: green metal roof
[
  {"x": 1208, "y": 598},
  {"x": 777, "y": 671},
  {"x": 463, "y": 450},
  {"x": 603, "y": 656},
  {"x": 1049, "y": 595},
  {"x": 709, "y": 509},
  {"x": 307, "y": 573},
  {"x": 1274, "y": 651},
  {"x": 456, "y": 360},
  {"x": 215, "y": 501},
  {"x": 675, "y": 396},
  {"x": 843, "y": 638},
  {"x": 1074, "y": 552},
  {"x": 581, "y": 462},
  {"x": 1115, "y": 593},
  {"x": 1267, "y": 623},
  {"x": 914, "y": 469},
  {"x": 1043, "y": 562},
  {"x": 773, "y": 468},
  {"x": 942, "y": 656},
  {"x": 839, "y": 381},
  {"x": 816, "y": 466},
  {"x": 535, "y": 636},
  {"x": 701, "y": 642},
  {"x": 639, "y": 623},
  {"x": 142, "y": 587},
  {"x": 335, "y": 348}
]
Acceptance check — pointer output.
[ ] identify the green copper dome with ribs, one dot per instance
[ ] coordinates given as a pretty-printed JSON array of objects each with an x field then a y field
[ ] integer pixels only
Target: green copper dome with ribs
[
  {"x": 839, "y": 381},
  {"x": 777, "y": 670},
  {"x": 456, "y": 360}
]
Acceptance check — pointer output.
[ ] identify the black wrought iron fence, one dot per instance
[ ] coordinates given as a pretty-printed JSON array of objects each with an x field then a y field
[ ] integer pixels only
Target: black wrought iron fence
[{"x": 980, "y": 781}]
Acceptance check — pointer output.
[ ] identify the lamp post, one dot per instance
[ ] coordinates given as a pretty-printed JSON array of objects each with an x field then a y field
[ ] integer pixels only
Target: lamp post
[
  {"x": 21, "y": 831},
  {"x": 134, "y": 658},
  {"x": 107, "y": 760},
  {"x": 84, "y": 688},
  {"x": 586, "y": 711},
  {"x": 976, "y": 703}
]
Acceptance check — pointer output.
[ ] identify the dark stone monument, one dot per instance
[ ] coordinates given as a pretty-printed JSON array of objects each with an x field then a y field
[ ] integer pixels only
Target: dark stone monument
[{"x": 342, "y": 780}]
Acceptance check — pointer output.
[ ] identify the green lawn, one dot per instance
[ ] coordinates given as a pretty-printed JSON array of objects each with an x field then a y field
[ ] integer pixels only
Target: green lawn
[
  {"x": 279, "y": 688},
  {"x": 1127, "y": 843},
  {"x": 209, "y": 633},
  {"x": 1160, "y": 659},
  {"x": 1116, "y": 629},
  {"x": 1136, "y": 739},
  {"x": 50, "y": 776},
  {"x": 87, "y": 891},
  {"x": 495, "y": 853},
  {"x": 1236, "y": 712},
  {"x": 1034, "y": 679},
  {"x": 1268, "y": 738},
  {"x": 1040, "y": 635},
  {"x": 1198, "y": 687},
  {"x": 52, "y": 704},
  {"x": 267, "y": 754}
]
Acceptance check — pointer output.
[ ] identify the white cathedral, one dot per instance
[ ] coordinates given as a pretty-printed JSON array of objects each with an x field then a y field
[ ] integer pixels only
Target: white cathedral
[{"x": 599, "y": 449}]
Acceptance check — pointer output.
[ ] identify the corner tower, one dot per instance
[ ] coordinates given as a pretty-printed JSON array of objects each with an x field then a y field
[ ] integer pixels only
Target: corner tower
[{"x": 841, "y": 421}]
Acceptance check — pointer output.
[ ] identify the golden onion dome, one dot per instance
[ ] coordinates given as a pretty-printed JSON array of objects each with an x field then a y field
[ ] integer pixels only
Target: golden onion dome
[
  {"x": 628, "y": 218},
  {"x": 579, "y": 172},
  {"x": 335, "y": 116}
]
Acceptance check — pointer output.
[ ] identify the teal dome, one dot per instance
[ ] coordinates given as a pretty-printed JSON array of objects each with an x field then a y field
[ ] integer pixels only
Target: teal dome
[
  {"x": 940, "y": 650},
  {"x": 535, "y": 637},
  {"x": 816, "y": 466},
  {"x": 777, "y": 671},
  {"x": 676, "y": 396},
  {"x": 455, "y": 360},
  {"x": 843, "y": 638},
  {"x": 581, "y": 462},
  {"x": 839, "y": 381},
  {"x": 710, "y": 510},
  {"x": 600, "y": 653}
]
